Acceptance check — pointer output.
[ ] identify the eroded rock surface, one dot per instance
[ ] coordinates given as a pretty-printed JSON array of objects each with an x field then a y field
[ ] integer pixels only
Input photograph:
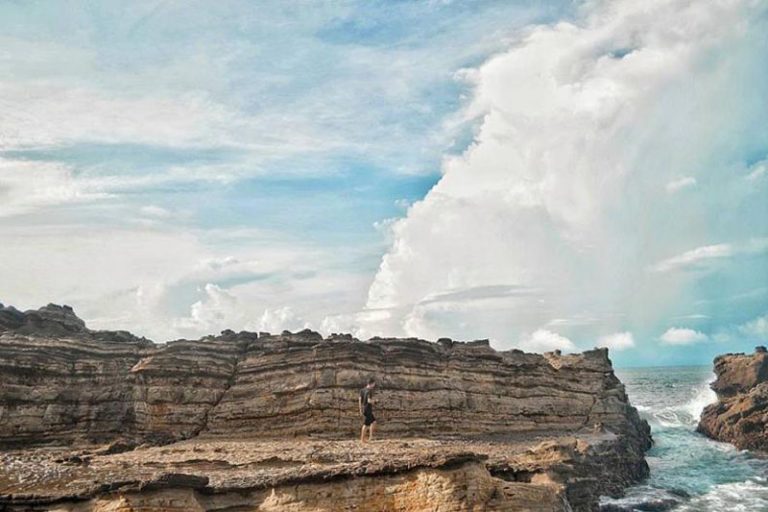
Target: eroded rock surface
[
  {"x": 536, "y": 473},
  {"x": 740, "y": 416},
  {"x": 476, "y": 426}
]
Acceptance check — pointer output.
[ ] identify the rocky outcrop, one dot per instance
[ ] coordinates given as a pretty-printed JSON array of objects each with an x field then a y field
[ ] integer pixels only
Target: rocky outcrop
[
  {"x": 740, "y": 415},
  {"x": 55, "y": 321},
  {"x": 400, "y": 475},
  {"x": 65, "y": 384}
]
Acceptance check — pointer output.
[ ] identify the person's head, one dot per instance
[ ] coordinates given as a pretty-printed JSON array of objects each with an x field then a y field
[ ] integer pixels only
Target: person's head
[{"x": 371, "y": 382}]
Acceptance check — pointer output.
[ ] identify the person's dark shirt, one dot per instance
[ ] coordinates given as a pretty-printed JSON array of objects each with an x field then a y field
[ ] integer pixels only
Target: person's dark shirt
[{"x": 365, "y": 396}]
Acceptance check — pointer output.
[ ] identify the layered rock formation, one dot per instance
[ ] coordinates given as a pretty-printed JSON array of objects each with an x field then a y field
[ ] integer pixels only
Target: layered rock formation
[
  {"x": 740, "y": 416},
  {"x": 65, "y": 384}
]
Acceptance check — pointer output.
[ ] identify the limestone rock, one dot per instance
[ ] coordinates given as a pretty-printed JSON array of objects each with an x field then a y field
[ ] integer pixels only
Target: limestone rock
[
  {"x": 739, "y": 373},
  {"x": 548, "y": 429},
  {"x": 537, "y": 474},
  {"x": 740, "y": 416}
]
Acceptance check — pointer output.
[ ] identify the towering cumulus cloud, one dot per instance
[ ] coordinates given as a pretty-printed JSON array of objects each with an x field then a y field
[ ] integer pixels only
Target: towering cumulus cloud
[{"x": 606, "y": 148}]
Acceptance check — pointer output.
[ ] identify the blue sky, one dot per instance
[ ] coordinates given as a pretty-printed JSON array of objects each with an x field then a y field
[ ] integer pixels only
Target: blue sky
[{"x": 546, "y": 174}]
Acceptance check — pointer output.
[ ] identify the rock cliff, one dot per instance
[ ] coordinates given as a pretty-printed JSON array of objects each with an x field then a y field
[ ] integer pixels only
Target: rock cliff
[
  {"x": 740, "y": 416},
  {"x": 500, "y": 429}
]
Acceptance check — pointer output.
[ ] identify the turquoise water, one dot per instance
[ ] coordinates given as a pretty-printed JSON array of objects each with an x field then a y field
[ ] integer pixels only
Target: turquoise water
[{"x": 689, "y": 473}]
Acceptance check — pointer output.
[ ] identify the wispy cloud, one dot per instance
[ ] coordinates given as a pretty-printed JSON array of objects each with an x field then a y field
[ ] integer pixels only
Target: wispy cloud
[
  {"x": 680, "y": 184},
  {"x": 348, "y": 81},
  {"x": 756, "y": 328},
  {"x": 757, "y": 171},
  {"x": 695, "y": 258},
  {"x": 50, "y": 115},
  {"x": 27, "y": 186},
  {"x": 705, "y": 257}
]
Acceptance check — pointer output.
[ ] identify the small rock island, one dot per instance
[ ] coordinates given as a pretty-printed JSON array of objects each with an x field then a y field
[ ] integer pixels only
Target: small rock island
[
  {"x": 107, "y": 421},
  {"x": 740, "y": 416}
]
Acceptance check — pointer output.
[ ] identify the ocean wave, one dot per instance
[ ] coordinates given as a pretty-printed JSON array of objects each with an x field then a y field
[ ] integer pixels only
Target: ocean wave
[
  {"x": 689, "y": 472},
  {"x": 748, "y": 496},
  {"x": 684, "y": 415},
  {"x": 642, "y": 498}
]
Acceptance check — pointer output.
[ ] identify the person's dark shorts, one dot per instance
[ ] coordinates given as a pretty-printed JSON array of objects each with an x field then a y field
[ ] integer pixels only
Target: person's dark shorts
[{"x": 368, "y": 417}]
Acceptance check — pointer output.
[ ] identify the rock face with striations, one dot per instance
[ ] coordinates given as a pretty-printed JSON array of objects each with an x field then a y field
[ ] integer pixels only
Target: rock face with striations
[
  {"x": 740, "y": 416},
  {"x": 63, "y": 384}
]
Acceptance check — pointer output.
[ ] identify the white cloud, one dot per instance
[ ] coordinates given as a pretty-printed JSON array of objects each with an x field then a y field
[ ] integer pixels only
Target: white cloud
[
  {"x": 41, "y": 114},
  {"x": 693, "y": 316},
  {"x": 219, "y": 308},
  {"x": 563, "y": 189},
  {"x": 27, "y": 186},
  {"x": 279, "y": 319},
  {"x": 705, "y": 257},
  {"x": 214, "y": 88},
  {"x": 385, "y": 227},
  {"x": 617, "y": 341},
  {"x": 682, "y": 336},
  {"x": 155, "y": 211},
  {"x": 757, "y": 328},
  {"x": 221, "y": 262},
  {"x": 543, "y": 340},
  {"x": 575, "y": 320},
  {"x": 679, "y": 184},
  {"x": 402, "y": 203},
  {"x": 556, "y": 211},
  {"x": 757, "y": 171},
  {"x": 694, "y": 258},
  {"x": 358, "y": 324},
  {"x": 165, "y": 284}
]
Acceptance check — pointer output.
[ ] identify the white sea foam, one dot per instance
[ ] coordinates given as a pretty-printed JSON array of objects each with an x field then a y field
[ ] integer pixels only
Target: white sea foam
[
  {"x": 704, "y": 396},
  {"x": 681, "y": 415},
  {"x": 748, "y": 496},
  {"x": 642, "y": 497},
  {"x": 688, "y": 471}
]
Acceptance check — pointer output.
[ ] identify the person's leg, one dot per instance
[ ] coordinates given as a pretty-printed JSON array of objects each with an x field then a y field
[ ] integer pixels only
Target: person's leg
[
  {"x": 362, "y": 434},
  {"x": 370, "y": 431}
]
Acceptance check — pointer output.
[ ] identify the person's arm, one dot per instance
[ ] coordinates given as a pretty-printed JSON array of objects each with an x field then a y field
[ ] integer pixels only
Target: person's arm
[{"x": 360, "y": 404}]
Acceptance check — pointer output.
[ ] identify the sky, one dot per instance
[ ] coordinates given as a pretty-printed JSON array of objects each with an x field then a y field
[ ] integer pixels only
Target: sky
[{"x": 562, "y": 174}]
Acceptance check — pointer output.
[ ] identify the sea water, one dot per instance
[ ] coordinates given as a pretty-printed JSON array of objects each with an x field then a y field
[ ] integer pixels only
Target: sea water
[{"x": 689, "y": 473}]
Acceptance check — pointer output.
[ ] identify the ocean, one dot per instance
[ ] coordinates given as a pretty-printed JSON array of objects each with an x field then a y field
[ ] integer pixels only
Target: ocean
[{"x": 689, "y": 473}]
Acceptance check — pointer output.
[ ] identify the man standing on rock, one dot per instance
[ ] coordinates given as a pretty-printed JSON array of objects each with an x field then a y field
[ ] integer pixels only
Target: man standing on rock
[{"x": 366, "y": 410}]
